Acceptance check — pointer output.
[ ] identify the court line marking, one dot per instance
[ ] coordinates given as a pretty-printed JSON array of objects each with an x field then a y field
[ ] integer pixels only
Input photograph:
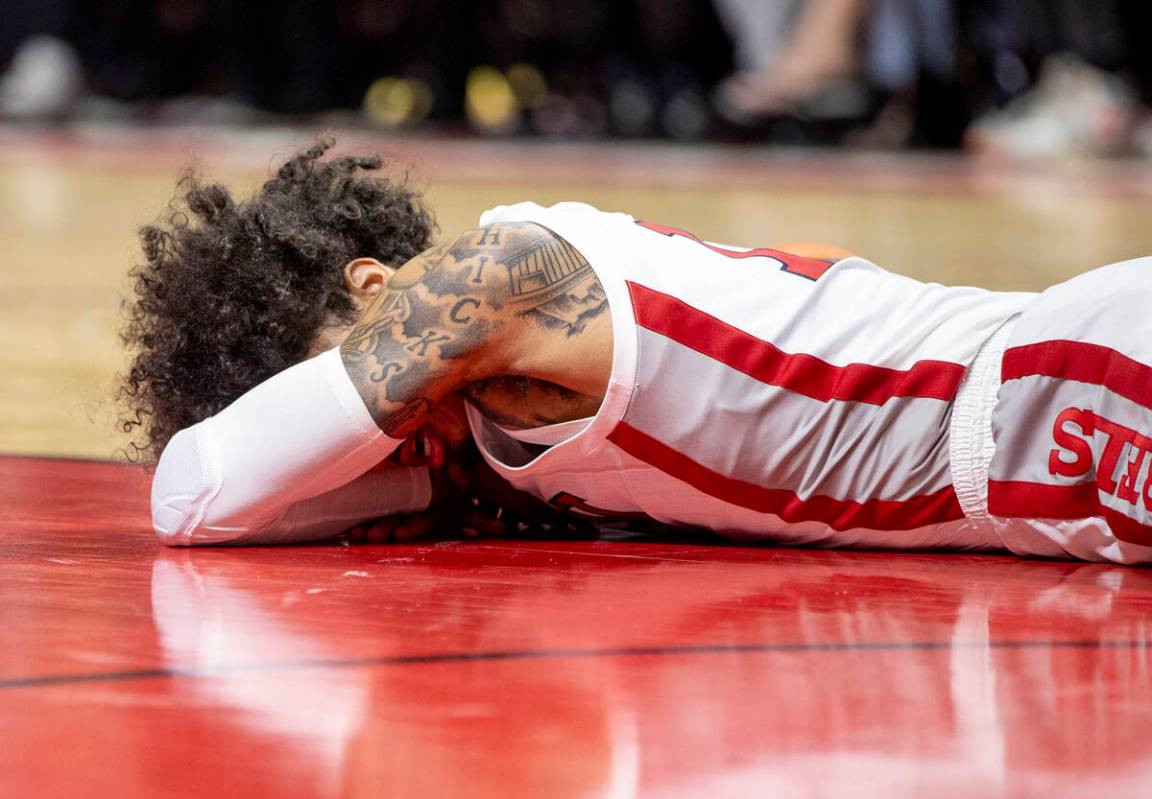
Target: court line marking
[{"x": 554, "y": 654}]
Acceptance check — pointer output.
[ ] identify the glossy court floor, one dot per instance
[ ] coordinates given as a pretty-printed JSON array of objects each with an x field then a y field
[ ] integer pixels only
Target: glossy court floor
[{"x": 509, "y": 668}]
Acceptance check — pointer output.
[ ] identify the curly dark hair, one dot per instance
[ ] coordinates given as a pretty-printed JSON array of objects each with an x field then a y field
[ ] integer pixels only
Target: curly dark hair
[{"x": 232, "y": 292}]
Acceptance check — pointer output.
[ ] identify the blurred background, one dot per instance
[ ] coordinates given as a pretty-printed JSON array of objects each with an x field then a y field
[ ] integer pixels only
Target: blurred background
[
  {"x": 1025, "y": 78},
  {"x": 1001, "y": 143}
]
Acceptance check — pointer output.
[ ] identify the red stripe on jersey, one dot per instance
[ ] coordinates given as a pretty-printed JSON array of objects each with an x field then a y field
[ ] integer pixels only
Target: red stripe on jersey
[
  {"x": 803, "y": 374},
  {"x": 1086, "y": 363},
  {"x": 1018, "y": 498},
  {"x": 839, "y": 514}
]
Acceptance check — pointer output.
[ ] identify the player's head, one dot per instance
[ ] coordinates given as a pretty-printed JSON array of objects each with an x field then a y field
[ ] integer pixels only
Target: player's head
[{"x": 232, "y": 291}]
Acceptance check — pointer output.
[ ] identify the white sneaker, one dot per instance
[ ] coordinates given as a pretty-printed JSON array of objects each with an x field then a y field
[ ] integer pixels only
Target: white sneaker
[
  {"x": 1074, "y": 109},
  {"x": 43, "y": 80}
]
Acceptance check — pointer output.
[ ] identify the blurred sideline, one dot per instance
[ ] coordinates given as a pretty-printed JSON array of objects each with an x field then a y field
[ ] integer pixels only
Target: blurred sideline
[{"x": 72, "y": 199}]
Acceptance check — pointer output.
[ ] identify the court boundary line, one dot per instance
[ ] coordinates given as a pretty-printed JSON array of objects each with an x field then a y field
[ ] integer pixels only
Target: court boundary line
[{"x": 555, "y": 654}]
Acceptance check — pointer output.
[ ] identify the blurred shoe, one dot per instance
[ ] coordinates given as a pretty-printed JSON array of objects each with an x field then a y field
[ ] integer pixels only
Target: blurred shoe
[
  {"x": 1074, "y": 109},
  {"x": 744, "y": 99},
  {"x": 43, "y": 81}
]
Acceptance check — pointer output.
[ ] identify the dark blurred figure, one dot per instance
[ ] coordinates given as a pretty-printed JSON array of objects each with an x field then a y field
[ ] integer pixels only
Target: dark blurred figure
[
  {"x": 550, "y": 67},
  {"x": 1046, "y": 77},
  {"x": 672, "y": 57}
]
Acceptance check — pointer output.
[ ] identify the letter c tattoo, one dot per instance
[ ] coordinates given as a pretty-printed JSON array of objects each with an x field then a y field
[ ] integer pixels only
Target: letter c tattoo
[{"x": 456, "y": 314}]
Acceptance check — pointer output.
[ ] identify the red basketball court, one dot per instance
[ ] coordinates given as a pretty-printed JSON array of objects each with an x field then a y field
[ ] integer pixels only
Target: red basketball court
[{"x": 507, "y": 668}]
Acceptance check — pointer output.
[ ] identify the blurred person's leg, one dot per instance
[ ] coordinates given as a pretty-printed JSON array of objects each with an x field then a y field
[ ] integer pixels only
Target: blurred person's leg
[
  {"x": 758, "y": 28},
  {"x": 910, "y": 36},
  {"x": 823, "y": 51},
  {"x": 911, "y": 56}
]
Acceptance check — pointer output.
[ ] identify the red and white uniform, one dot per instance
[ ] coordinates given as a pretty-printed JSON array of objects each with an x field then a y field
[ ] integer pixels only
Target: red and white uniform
[
  {"x": 770, "y": 397},
  {"x": 1072, "y": 471},
  {"x": 760, "y": 395}
]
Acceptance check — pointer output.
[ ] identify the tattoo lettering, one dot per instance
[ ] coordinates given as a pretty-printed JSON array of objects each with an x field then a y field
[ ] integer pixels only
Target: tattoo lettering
[
  {"x": 429, "y": 338},
  {"x": 447, "y": 303},
  {"x": 457, "y": 312},
  {"x": 361, "y": 343},
  {"x": 480, "y": 270},
  {"x": 385, "y": 371},
  {"x": 422, "y": 316},
  {"x": 490, "y": 237}
]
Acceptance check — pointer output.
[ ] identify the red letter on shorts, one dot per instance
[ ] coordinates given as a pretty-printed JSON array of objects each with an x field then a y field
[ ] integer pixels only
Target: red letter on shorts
[{"x": 1070, "y": 442}]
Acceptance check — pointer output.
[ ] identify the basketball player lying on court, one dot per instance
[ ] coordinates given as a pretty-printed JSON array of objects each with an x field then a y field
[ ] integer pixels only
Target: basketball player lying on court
[{"x": 295, "y": 350}]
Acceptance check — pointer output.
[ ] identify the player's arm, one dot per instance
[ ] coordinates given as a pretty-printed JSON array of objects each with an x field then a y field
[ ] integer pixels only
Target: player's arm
[
  {"x": 456, "y": 314},
  {"x": 240, "y": 475}
]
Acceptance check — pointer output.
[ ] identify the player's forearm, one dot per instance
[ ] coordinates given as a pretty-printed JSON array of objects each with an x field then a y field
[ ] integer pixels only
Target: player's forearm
[
  {"x": 459, "y": 313},
  {"x": 300, "y": 434},
  {"x": 386, "y": 491},
  {"x": 321, "y": 423},
  {"x": 430, "y": 330}
]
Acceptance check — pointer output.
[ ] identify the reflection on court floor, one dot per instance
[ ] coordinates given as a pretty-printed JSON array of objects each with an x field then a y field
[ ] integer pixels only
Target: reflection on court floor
[{"x": 500, "y": 668}]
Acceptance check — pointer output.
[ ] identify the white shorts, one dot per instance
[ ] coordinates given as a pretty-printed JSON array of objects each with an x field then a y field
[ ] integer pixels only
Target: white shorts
[{"x": 1072, "y": 422}]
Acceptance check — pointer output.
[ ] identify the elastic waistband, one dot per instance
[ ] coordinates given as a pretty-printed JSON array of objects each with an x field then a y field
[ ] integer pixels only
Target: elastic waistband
[{"x": 970, "y": 445}]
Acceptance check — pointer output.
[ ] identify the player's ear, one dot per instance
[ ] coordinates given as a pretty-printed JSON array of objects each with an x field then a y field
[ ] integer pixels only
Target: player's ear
[{"x": 366, "y": 277}]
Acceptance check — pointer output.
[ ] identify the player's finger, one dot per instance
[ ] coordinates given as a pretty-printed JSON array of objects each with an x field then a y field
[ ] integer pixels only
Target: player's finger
[
  {"x": 448, "y": 521},
  {"x": 408, "y": 454},
  {"x": 435, "y": 450},
  {"x": 492, "y": 490},
  {"x": 485, "y": 524},
  {"x": 413, "y": 527},
  {"x": 530, "y": 510},
  {"x": 422, "y": 448},
  {"x": 381, "y": 531}
]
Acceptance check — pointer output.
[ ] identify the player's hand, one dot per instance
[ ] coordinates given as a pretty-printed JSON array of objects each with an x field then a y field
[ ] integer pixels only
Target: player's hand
[
  {"x": 522, "y": 514},
  {"x": 470, "y": 497},
  {"x": 469, "y": 521}
]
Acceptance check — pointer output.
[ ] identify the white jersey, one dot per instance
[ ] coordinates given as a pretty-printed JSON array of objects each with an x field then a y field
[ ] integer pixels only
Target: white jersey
[{"x": 765, "y": 396}]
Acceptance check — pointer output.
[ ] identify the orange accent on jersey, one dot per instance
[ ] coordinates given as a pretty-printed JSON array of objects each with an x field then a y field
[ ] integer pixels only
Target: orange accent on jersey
[
  {"x": 792, "y": 263},
  {"x": 811, "y": 249}
]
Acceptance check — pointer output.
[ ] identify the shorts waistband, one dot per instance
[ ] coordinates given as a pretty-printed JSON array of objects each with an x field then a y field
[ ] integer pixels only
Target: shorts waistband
[{"x": 970, "y": 444}]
